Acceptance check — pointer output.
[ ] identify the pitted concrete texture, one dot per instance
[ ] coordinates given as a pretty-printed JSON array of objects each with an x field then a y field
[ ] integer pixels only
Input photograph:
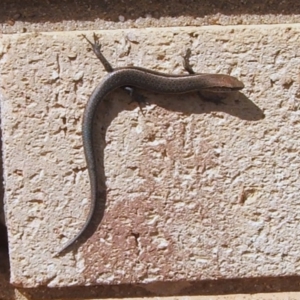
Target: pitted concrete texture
[
  {"x": 191, "y": 190},
  {"x": 33, "y": 15}
]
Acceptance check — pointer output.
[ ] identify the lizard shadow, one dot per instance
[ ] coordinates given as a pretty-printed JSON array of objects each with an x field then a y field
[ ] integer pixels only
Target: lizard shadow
[{"x": 237, "y": 105}]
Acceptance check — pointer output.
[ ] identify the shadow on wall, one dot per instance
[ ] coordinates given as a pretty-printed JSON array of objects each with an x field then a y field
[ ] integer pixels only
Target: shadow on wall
[
  {"x": 212, "y": 287},
  {"x": 3, "y": 238},
  {"x": 91, "y": 10},
  {"x": 3, "y": 231}
]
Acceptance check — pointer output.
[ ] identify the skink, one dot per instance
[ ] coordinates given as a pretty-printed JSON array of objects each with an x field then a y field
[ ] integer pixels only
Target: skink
[{"x": 143, "y": 79}]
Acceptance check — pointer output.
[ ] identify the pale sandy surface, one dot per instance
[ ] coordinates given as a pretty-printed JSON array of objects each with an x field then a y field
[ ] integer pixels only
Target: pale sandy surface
[{"x": 27, "y": 16}]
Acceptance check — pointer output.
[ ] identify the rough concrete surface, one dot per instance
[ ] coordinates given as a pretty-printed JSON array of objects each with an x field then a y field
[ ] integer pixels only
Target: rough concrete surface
[
  {"x": 194, "y": 191},
  {"x": 34, "y": 15}
]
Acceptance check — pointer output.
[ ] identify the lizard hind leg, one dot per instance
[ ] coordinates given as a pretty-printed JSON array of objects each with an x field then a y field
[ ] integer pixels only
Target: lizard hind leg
[
  {"x": 140, "y": 99},
  {"x": 96, "y": 47}
]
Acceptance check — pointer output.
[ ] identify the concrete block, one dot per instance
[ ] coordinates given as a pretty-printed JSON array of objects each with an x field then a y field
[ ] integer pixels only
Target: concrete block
[{"x": 191, "y": 190}]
